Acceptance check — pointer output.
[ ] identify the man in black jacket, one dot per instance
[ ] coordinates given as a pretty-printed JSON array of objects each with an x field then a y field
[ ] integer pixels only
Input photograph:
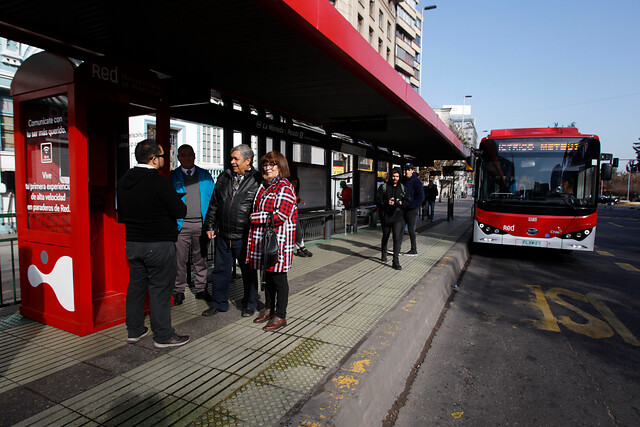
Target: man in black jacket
[
  {"x": 149, "y": 206},
  {"x": 416, "y": 194},
  {"x": 227, "y": 221}
]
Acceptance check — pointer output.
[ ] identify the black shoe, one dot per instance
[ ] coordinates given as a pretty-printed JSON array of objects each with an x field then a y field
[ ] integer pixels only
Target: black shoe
[
  {"x": 384, "y": 258},
  {"x": 210, "y": 312},
  {"x": 175, "y": 341},
  {"x": 306, "y": 252},
  {"x": 248, "y": 312},
  {"x": 178, "y": 298},
  {"x": 396, "y": 266},
  {"x": 412, "y": 252},
  {"x": 300, "y": 253},
  {"x": 132, "y": 340},
  {"x": 203, "y": 295}
]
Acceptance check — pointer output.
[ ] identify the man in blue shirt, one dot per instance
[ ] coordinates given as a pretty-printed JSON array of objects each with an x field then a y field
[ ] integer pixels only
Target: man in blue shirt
[{"x": 197, "y": 186}]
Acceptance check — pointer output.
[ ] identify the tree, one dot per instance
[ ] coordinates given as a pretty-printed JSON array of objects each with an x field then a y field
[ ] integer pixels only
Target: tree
[{"x": 570, "y": 125}]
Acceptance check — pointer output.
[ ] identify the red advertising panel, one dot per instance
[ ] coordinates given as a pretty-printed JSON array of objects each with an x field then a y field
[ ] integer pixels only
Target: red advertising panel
[{"x": 45, "y": 122}]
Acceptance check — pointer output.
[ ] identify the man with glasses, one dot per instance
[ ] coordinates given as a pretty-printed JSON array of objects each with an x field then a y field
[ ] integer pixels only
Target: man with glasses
[
  {"x": 227, "y": 221},
  {"x": 149, "y": 206}
]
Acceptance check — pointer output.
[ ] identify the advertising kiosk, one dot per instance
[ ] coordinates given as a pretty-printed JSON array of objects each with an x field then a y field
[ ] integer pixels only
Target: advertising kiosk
[{"x": 71, "y": 147}]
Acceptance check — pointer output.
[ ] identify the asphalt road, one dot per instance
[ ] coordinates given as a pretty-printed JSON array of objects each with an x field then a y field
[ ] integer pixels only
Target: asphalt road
[{"x": 539, "y": 338}]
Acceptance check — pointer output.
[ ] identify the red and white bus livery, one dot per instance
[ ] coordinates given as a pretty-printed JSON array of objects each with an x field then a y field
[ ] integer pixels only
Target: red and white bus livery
[{"x": 537, "y": 187}]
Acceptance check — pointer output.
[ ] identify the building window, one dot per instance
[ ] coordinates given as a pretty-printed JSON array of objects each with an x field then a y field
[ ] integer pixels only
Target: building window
[
  {"x": 211, "y": 144},
  {"x": 406, "y": 17},
  {"x": 370, "y": 35},
  {"x": 6, "y": 133},
  {"x": 380, "y": 47},
  {"x": 360, "y": 24},
  {"x": 389, "y": 30},
  {"x": 6, "y": 123},
  {"x": 372, "y": 7},
  {"x": 380, "y": 20}
]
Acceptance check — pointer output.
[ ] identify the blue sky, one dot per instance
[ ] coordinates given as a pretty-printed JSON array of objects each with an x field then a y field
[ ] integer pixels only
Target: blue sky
[{"x": 534, "y": 63}]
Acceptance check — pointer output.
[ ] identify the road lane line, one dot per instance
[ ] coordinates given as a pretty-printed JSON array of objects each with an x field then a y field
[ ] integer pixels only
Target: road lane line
[
  {"x": 617, "y": 225},
  {"x": 627, "y": 267},
  {"x": 605, "y": 253}
]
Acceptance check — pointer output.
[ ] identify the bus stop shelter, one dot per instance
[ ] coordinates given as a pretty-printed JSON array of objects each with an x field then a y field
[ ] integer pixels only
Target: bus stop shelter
[{"x": 108, "y": 61}]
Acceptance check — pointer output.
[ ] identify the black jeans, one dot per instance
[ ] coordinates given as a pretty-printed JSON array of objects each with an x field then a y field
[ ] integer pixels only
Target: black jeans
[
  {"x": 396, "y": 228},
  {"x": 152, "y": 267},
  {"x": 411, "y": 217},
  {"x": 276, "y": 293},
  {"x": 227, "y": 251}
]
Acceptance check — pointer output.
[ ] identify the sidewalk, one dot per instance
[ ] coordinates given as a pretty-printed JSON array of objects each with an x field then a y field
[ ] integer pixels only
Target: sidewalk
[{"x": 344, "y": 305}]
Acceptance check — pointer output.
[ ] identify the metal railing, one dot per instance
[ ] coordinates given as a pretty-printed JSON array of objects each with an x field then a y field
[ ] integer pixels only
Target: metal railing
[{"x": 9, "y": 265}]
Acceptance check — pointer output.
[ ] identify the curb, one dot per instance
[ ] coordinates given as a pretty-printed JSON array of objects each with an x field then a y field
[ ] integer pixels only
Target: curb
[{"x": 368, "y": 382}]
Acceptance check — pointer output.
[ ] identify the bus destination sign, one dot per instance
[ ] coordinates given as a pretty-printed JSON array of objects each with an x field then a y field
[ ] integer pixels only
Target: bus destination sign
[{"x": 537, "y": 146}]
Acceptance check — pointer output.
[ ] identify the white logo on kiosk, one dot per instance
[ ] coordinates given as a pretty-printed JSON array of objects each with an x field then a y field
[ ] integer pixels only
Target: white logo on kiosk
[
  {"x": 45, "y": 153},
  {"x": 60, "y": 279}
]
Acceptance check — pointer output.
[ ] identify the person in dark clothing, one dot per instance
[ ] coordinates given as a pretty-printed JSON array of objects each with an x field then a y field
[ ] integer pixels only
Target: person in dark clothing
[
  {"x": 227, "y": 221},
  {"x": 430, "y": 194},
  {"x": 391, "y": 198},
  {"x": 416, "y": 194},
  {"x": 149, "y": 206},
  {"x": 197, "y": 186}
]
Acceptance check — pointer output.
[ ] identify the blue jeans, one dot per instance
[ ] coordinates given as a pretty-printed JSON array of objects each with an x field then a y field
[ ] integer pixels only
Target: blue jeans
[
  {"x": 152, "y": 267},
  {"x": 430, "y": 209},
  {"x": 227, "y": 251}
]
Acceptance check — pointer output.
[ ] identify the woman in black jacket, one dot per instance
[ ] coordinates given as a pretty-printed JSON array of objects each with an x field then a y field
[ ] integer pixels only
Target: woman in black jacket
[{"x": 391, "y": 199}]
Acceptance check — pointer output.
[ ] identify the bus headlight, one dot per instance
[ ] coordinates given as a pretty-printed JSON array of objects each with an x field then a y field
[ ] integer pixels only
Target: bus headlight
[{"x": 577, "y": 235}]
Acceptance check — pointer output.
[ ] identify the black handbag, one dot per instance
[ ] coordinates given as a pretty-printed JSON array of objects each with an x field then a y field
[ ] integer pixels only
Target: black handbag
[{"x": 270, "y": 248}]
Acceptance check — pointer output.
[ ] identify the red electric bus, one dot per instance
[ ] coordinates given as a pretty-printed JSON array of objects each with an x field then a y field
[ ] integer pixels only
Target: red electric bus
[{"x": 537, "y": 187}]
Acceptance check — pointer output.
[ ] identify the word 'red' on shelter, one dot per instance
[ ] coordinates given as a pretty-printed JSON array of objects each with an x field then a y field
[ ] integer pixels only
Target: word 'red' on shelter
[{"x": 279, "y": 61}]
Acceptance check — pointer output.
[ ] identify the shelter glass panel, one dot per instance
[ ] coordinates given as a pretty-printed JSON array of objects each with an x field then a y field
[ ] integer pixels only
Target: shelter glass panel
[{"x": 45, "y": 123}]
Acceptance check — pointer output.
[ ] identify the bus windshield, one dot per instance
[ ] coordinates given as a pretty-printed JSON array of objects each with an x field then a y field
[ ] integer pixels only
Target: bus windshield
[{"x": 546, "y": 171}]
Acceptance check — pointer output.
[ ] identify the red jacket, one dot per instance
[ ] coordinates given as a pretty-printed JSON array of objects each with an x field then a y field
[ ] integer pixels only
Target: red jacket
[{"x": 280, "y": 198}]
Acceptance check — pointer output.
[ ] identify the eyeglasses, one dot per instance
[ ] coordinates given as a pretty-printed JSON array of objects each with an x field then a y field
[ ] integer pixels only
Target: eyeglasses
[
  {"x": 269, "y": 165},
  {"x": 160, "y": 155}
]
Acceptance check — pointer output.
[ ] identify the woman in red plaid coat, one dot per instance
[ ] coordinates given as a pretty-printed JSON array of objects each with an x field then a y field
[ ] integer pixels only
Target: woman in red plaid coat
[{"x": 276, "y": 197}]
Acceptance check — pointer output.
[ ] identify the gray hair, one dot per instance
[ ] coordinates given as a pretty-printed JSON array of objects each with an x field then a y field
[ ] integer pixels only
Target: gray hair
[{"x": 245, "y": 151}]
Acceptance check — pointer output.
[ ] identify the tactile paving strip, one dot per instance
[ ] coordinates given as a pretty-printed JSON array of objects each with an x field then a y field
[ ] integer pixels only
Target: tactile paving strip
[
  {"x": 258, "y": 403},
  {"x": 293, "y": 372},
  {"x": 339, "y": 335},
  {"x": 13, "y": 321}
]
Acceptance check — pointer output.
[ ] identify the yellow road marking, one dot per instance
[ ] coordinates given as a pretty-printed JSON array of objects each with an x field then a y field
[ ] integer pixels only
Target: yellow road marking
[
  {"x": 548, "y": 322},
  {"x": 627, "y": 267},
  {"x": 605, "y": 253},
  {"x": 617, "y": 225},
  {"x": 612, "y": 319},
  {"x": 594, "y": 327}
]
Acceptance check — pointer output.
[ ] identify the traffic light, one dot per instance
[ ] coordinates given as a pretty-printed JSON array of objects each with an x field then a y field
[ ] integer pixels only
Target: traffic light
[{"x": 606, "y": 156}]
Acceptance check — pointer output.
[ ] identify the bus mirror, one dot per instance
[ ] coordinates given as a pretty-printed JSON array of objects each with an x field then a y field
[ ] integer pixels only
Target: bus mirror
[
  {"x": 471, "y": 163},
  {"x": 606, "y": 171}
]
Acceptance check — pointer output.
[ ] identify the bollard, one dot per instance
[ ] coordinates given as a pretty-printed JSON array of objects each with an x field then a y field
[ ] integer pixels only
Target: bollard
[
  {"x": 449, "y": 208},
  {"x": 328, "y": 224}
]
